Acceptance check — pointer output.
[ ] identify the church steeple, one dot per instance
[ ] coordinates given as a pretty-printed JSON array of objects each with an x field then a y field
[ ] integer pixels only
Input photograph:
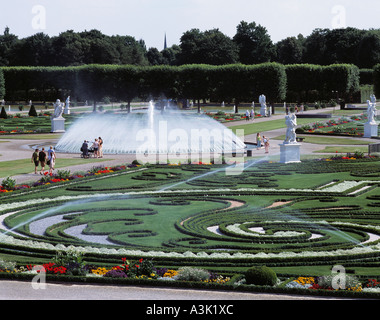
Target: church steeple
[{"x": 165, "y": 44}]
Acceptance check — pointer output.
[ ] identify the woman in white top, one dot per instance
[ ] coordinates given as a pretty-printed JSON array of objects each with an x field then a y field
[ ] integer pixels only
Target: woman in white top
[{"x": 95, "y": 145}]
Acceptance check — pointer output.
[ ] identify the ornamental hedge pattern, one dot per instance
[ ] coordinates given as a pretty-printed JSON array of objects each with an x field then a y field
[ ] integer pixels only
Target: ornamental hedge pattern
[{"x": 329, "y": 217}]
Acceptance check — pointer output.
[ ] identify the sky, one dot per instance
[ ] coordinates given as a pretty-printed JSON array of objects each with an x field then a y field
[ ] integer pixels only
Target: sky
[{"x": 150, "y": 20}]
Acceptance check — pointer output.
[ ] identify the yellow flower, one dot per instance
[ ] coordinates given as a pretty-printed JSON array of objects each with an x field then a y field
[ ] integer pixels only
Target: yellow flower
[{"x": 170, "y": 273}]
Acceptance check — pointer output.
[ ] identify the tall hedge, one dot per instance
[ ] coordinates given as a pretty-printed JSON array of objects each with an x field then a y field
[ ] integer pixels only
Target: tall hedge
[
  {"x": 2, "y": 85},
  {"x": 240, "y": 83},
  {"x": 230, "y": 83},
  {"x": 308, "y": 82},
  {"x": 376, "y": 79}
]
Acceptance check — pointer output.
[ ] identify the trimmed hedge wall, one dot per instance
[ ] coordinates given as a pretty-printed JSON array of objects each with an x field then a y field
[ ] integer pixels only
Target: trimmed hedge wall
[
  {"x": 307, "y": 82},
  {"x": 94, "y": 82},
  {"x": 237, "y": 82},
  {"x": 376, "y": 79}
]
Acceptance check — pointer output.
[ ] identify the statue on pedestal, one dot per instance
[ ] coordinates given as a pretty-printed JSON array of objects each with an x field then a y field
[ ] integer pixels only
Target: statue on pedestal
[
  {"x": 263, "y": 103},
  {"x": 67, "y": 105},
  {"x": 371, "y": 110},
  {"x": 58, "y": 109},
  {"x": 291, "y": 123}
]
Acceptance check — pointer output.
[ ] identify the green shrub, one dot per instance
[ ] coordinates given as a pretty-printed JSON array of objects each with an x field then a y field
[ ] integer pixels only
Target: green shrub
[
  {"x": 3, "y": 114},
  {"x": 192, "y": 274},
  {"x": 63, "y": 174},
  {"x": 262, "y": 276},
  {"x": 8, "y": 183},
  {"x": 32, "y": 111}
]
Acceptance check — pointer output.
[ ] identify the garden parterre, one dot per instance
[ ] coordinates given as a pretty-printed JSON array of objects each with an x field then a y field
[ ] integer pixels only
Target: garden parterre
[{"x": 167, "y": 218}]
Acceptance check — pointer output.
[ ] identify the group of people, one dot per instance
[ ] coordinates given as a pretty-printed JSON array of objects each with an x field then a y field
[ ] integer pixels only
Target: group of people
[
  {"x": 97, "y": 148},
  {"x": 43, "y": 158},
  {"x": 249, "y": 115},
  {"x": 262, "y": 141}
]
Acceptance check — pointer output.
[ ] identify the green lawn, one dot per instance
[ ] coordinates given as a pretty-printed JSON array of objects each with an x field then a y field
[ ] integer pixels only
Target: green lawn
[
  {"x": 342, "y": 149},
  {"x": 25, "y": 166},
  {"x": 269, "y": 125},
  {"x": 325, "y": 140},
  {"x": 44, "y": 136}
]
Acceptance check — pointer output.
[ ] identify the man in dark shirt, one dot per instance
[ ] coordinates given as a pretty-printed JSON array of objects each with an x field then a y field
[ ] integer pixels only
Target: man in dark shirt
[
  {"x": 42, "y": 159},
  {"x": 84, "y": 149},
  {"x": 35, "y": 159}
]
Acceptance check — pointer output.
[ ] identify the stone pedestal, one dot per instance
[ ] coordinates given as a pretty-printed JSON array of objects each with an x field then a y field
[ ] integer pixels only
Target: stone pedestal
[
  {"x": 371, "y": 130},
  {"x": 290, "y": 153},
  {"x": 58, "y": 125}
]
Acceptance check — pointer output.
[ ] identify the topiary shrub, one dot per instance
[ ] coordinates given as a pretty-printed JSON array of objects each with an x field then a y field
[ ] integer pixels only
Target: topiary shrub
[
  {"x": 262, "y": 276},
  {"x": 32, "y": 111},
  {"x": 3, "y": 114}
]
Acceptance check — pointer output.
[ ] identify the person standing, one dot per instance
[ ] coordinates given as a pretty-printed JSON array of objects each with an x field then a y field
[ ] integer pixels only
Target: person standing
[
  {"x": 266, "y": 144},
  {"x": 100, "y": 147},
  {"x": 247, "y": 115},
  {"x": 258, "y": 140},
  {"x": 95, "y": 146},
  {"x": 51, "y": 159},
  {"x": 42, "y": 159},
  {"x": 84, "y": 149},
  {"x": 35, "y": 160}
]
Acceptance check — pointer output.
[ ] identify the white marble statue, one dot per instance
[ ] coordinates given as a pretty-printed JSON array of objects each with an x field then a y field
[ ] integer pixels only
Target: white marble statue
[
  {"x": 291, "y": 123},
  {"x": 58, "y": 109},
  {"x": 67, "y": 105},
  {"x": 373, "y": 98},
  {"x": 263, "y": 103},
  {"x": 371, "y": 112}
]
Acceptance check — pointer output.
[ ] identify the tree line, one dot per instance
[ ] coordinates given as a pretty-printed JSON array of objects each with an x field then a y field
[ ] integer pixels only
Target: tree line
[{"x": 251, "y": 44}]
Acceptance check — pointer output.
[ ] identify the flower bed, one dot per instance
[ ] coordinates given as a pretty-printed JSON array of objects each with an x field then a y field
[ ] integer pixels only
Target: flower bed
[
  {"x": 228, "y": 117},
  {"x": 341, "y": 127}
]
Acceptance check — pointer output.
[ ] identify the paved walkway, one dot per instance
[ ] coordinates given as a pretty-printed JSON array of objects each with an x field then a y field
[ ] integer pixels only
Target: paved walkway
[{"x": 18, "y": 290}]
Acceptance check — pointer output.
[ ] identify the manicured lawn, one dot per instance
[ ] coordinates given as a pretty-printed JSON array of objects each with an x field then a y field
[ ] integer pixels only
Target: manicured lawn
[
  {"x": 45, "y": 136},
  {"x": 342, "y": 149},
  {"x": 25, "y": 166},
  {"x": 269, "y": 125},
  {"x": 326, "y": 140}
]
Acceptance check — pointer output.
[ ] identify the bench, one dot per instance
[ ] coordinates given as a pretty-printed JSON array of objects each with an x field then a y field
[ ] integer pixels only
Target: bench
[{"x": 299, "y": 139}]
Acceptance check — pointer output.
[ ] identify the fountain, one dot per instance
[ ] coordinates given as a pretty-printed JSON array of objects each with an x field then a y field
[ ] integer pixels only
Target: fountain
[{"x": 165, "y": 131}]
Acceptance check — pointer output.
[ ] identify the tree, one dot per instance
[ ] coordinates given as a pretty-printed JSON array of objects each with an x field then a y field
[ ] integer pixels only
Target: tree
[
  {"x": 289, "y": 51},
  {"x": 316, "y": 47},
  {"x": 33, "y": 51},
  {"x": 209, "y": 47},
  {"x": 7, "y": 43},
  {"x": 68, "y": 49},
  {"x": 155, "y": 57},
  {"x": 368, "y": 51},
  {"x": 254, "y": 43}
]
